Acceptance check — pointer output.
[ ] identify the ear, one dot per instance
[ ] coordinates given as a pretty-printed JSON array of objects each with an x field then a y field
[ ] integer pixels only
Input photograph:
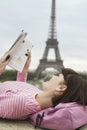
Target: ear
[{"x": 59, "y": 90}]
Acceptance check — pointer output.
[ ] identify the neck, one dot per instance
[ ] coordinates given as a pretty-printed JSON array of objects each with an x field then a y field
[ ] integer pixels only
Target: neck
[{"x": 44, "y": 99}]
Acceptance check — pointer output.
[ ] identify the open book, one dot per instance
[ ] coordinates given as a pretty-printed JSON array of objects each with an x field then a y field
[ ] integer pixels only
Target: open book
[{"x": 19, "y": 52}]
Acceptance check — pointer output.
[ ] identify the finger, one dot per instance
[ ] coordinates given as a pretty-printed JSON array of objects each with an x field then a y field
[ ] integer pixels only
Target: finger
[
  {"x": 28, "y": 63},
  {"x": 29, "y": 55},
  {"x": 7, "y": 59},
  {"x": 29, "y": 58}
]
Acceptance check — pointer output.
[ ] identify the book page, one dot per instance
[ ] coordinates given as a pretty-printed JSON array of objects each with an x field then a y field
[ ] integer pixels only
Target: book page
[
  {"x": 19, "y": 57},
  {"x": 19, "y": 52},
  {"x": 18, "y": 41}
]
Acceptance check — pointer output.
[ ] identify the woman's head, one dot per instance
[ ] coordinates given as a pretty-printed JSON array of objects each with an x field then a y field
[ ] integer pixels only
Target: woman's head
[
  {"x": 76, "y": 89},
  {"x": 55, "y": 84}
]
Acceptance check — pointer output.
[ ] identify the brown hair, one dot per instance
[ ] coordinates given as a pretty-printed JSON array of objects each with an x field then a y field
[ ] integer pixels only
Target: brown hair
[{"x": 76, "y": 89}]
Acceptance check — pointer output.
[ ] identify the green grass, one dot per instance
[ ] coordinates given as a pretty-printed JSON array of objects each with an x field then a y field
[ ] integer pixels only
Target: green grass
[{"x": 11, "y": 75}]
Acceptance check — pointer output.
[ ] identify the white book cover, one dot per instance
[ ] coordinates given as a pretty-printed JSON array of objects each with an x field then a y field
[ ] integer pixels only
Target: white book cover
[{"x": 19, "y": 52}]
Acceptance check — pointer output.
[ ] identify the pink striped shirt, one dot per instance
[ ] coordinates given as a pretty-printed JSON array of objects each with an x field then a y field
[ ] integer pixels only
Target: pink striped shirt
[{"x": 17, "y": 98}]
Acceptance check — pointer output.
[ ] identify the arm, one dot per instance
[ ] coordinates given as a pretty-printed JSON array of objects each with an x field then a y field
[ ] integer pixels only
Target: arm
[{"x": 22, "y": 76}]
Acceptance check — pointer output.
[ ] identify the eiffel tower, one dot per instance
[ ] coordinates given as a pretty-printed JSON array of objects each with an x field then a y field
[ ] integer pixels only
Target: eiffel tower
[{"x": 51, "y": 43}]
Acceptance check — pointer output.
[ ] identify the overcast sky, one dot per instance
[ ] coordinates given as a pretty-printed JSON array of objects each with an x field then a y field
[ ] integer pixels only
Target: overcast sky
[{"x": 33, "y": 16}]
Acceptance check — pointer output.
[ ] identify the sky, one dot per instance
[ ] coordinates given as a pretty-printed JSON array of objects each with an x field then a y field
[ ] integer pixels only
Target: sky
[{"x": 33, "y": 16}]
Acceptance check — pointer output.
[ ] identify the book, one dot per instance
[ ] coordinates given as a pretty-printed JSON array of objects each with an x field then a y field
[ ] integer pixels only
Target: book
[{"x": 18, "y": 52}]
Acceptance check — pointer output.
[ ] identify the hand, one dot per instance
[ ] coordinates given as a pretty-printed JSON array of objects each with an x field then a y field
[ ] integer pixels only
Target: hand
[
  {"x": 3, "y": 64},
  {"x": 27, "y": 64}
]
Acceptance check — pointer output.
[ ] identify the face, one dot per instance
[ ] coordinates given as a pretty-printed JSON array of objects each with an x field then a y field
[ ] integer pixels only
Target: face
[{"x": 54, "y": 82}]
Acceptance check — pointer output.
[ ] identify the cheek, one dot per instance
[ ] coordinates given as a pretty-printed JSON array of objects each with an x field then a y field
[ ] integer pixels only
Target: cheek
[{"x": 45, "y": 85}]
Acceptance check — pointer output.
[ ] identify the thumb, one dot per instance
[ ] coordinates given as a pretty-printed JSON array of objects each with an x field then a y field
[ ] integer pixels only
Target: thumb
[{"x": 7, "y": 59}]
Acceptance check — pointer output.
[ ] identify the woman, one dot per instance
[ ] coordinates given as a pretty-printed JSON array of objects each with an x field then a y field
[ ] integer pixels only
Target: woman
[
  {"x": 19, "y": 99},
  {"x": 70, "y": 111}
]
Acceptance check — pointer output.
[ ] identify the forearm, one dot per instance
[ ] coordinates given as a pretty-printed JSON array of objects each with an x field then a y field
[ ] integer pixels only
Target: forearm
[{"x": 22, "y": 76}]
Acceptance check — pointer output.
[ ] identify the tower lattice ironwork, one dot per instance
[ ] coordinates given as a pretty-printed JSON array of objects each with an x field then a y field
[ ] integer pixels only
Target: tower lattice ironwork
[{"x": 51, "y": 43}]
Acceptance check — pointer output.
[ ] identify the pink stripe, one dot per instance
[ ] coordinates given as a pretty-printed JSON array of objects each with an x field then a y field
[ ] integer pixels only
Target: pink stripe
[{"x": 17, "y": 99}]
